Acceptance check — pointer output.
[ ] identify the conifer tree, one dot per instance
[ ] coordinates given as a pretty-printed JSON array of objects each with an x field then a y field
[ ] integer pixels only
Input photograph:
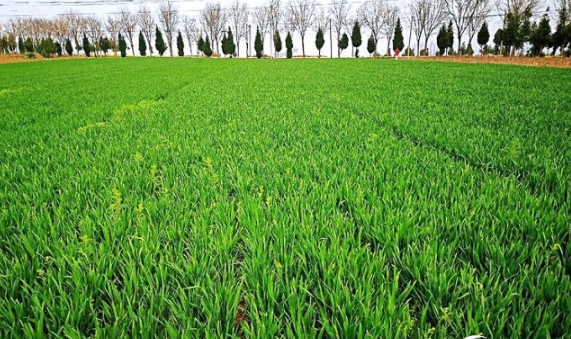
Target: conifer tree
[
  {"x": 289, "y": 45},
  {"x": 319, "y": 40},
  {"x": 258, "y": 45},
  {"x": 206, "y": 49},
  {"x": 356, "y": 39},
  {"x": 159, "y": 42},
  {"x": 230, "y": 45},
  {"x": 398, "y": 40},
  {"x": 122, "y": 46},
  {"x": 344, "y": 42},
  {"x": 278, "y": 42},
  {"x": 86, "y": 46},
  {"x": 483, "y": 35},
  {"x": 142, "y": 44},
  {"x": 180, "y": 44},
  {"x": 68, "y": 47},
  {"x": 200, "y": 44},
  {"x": 442, "y": 40}
]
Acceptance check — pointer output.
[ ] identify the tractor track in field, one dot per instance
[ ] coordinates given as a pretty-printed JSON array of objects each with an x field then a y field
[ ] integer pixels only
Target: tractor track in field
[{"x": 520, "y": 176}]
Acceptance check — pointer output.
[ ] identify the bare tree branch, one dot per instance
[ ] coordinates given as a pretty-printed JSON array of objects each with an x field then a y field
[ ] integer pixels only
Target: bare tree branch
[
  {"x": 301, "y": 15},
  {"x": 128, "y": 24},
  {"x": 339, "y": 11},
  {"x": 371, "y": 13},
  {"x": 169, "y": 18},
  {"x": 390, "y": 16},
  {"x": 147, "y": 24},
  {"x": 213, "y": 19},
  {"x": 239, "y": 17}
]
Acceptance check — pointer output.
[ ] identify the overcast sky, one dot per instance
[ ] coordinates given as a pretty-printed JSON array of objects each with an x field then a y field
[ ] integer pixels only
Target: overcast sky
[{"x": 103, "y": 8}]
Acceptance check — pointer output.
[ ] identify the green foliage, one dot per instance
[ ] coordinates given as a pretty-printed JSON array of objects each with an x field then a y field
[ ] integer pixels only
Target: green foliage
[
  {"x": 29, "y": 45},
  {"x": 21, "y": 48},
  {"x": 398, "y": 40},
  {"x": 46, "y": 48},
  {"x": 442, "y": 40},
  {"x": 450, "y": 32},
  {"x": 289, "y": 45},
  {"x": 180, "y": 44},
  {"x": 517, "y": 29},
  {"x": 142, "y": 44},
  {"x": 86, "y": 46},
  {"x": 104, "y": 45},
  {"x": 206, "y": 49},
  {"x": 122, "y": 46},
  {"x": 230, "y": 44},
  {"x": 562, "y": 35},
  {"x": 319, "y": 40},
  {"x": 258, "y": 44},
  {"x": 540, "y": 36},
  {"x": 312, "y": 206},
  {"x": 356, "y": 37},
  {"x": 409, "y": 51},
  {"x": 483, "y": 35},
  {"x": 159, "y": 42},
  {"x": 200, "y": 44},
  {"x": 371, "y": 45},
  {"x": 68, "y": 47},
  {"x": 58, "y": 48},
  {"x": 277, "y": 41},
  {"x": 344, "y": 42}
]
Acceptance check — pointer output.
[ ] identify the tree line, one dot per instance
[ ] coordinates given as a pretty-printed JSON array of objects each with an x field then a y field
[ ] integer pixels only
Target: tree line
[{"x": 218, "y": 30}]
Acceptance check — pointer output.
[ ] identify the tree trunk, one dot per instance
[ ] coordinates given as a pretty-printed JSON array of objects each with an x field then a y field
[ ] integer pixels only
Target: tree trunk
[
  {"x": 409, "y": 39},
  {"x": 459, "y": 42},
  {"x": 303, "y": 45},
  {"x": 388, "y": 47},
  {"x": 418, "y": 47},
  {"x": 426, "y": 46}
]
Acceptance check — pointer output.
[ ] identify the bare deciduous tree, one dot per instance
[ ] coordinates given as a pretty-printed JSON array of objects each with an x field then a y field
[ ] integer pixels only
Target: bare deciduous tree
[
  {"x": 461, "y": 12},
  {"x": 112, "y": 26},
  {"x": 147, "y": 24},
  {"x": 275, "y": 14},
  {"x": 517, "y": 7},
  {"x": 239, "y": 16},
  {"x": 75, "y": 23},
  {"x": 190, "y": 30},
  {"x": 260, "y": 17},
  {"x": 94, "y": 26},
  {"x": 415, "y": 18},
  {"x": 339, "y": 11},
  {"x": 390, "y": 17},
  {"x": 128, "y": 23},
  {"x": 169, "y": 18},
  {"x": 483, "y": 10},
  {"x": 213, "y": 20},
  {"x": 433, "y": 15},
  {"x": 371, "y": 15},
  {"x": 301, "y": 14}
]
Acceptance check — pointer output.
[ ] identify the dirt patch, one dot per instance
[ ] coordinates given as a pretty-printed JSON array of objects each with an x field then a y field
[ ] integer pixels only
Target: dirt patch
[
  {"x": 13, "y": 58},
  {"x": 559, "y": 62}
]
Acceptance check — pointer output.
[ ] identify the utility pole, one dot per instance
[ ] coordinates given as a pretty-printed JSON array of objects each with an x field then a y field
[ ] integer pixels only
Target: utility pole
[{"x": 330, "y": 38}]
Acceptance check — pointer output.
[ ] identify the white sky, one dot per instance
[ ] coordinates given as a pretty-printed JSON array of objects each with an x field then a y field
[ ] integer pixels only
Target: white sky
[{"x": 103, "y": 8}]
